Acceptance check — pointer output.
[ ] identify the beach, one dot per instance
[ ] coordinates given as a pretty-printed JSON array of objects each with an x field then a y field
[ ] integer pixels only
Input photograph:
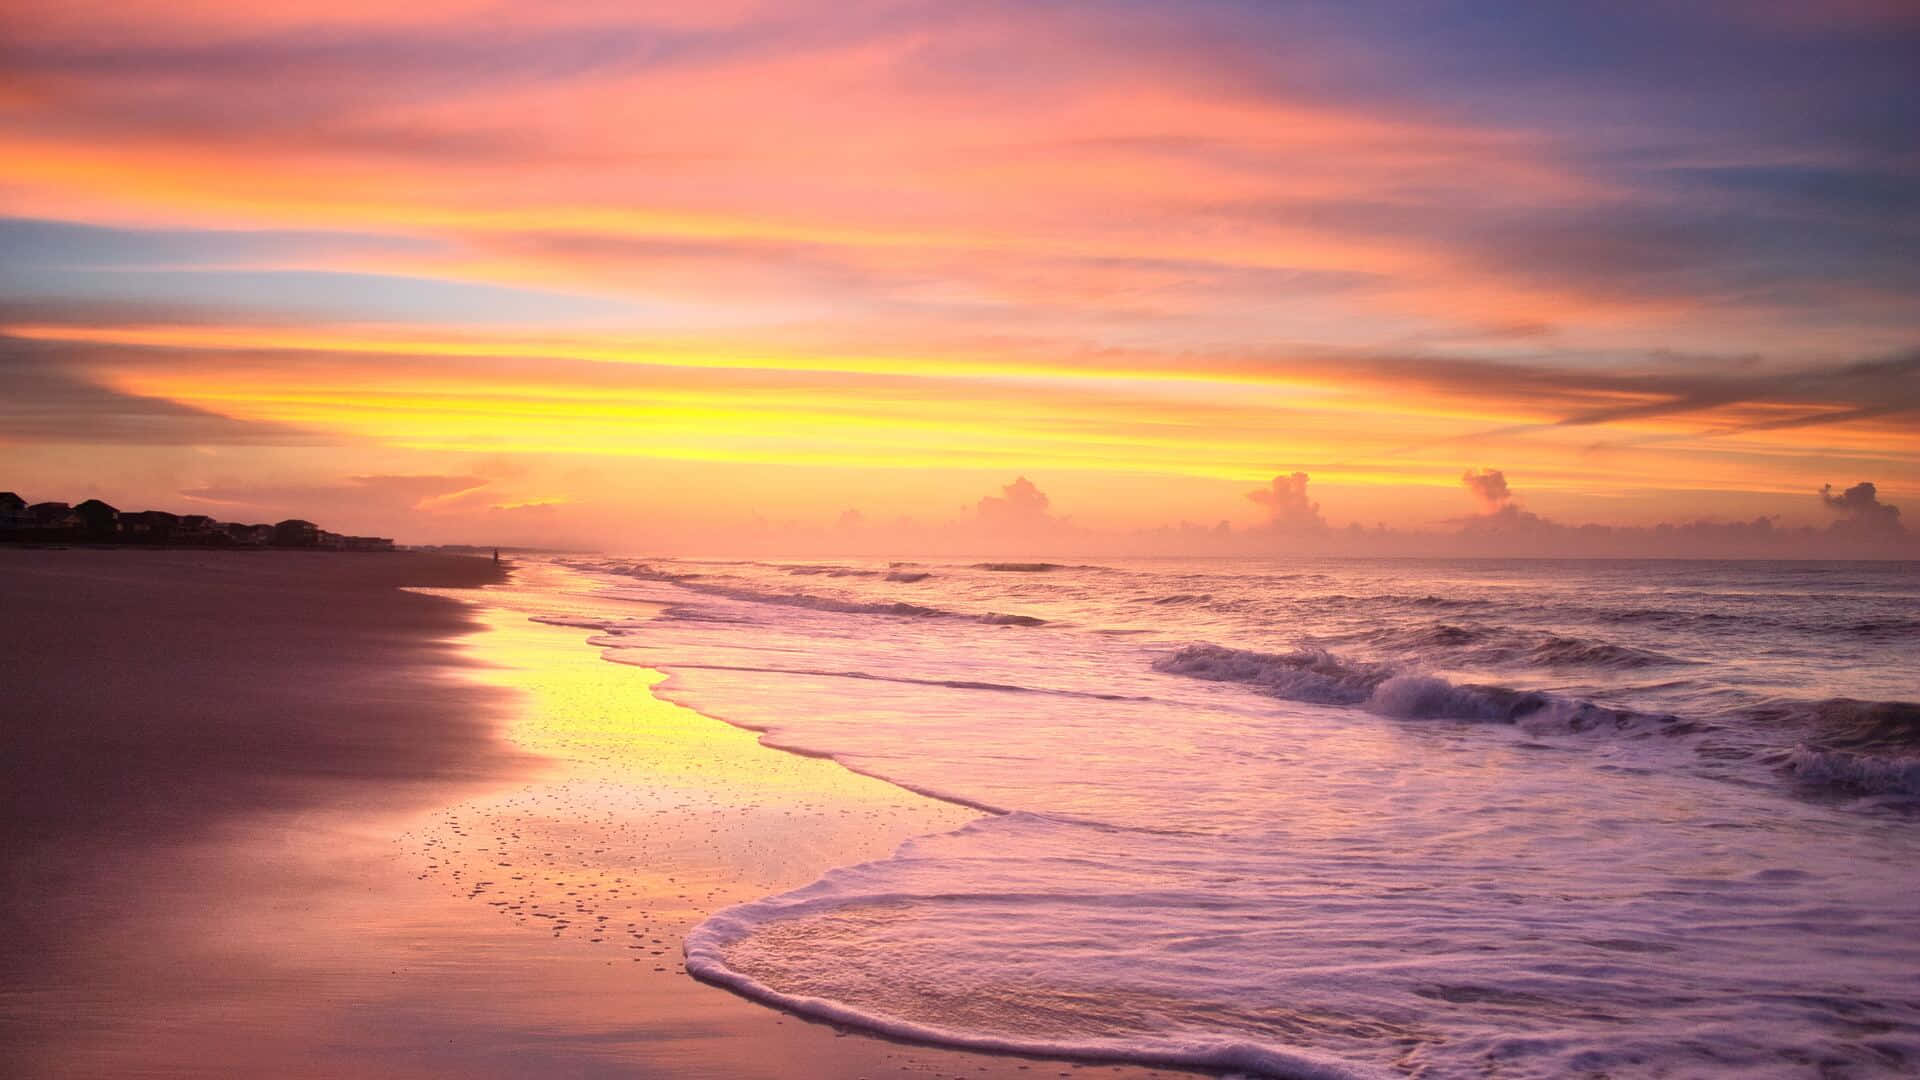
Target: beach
[
  {"x": 395, "y": 814},
  {"x": 270, "y": 813}
]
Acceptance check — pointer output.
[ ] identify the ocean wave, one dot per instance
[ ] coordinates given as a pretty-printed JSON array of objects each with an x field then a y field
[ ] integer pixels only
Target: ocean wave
[
  {"x": 705, "y": 951},
  {"x": 1890, "y": 628},
  {"x": 1173, "y": 599},
  {"x": 706, "y": 962},
  {"x": 1025, "y": 567},
  {"x": 645, "y": 571},
  {"x": 642, "y": 658},
  {"x": 897, "y": 608},
  {"x": 1431, "y": 601},
  {"x": 1557, "y": 651},
  {"x": 1537, "y": 649},
  {"x": 1500, "y": 646},
  {"x": 1846, "y": 724},
  {"x": 1866, "y": 774},
  {"x": 844, "y": 607},
  {"x": 696, "y": 613},
  {"x": 1435, "y": 635},
  {"x": 811, "y": 601},
  {"x": 1310, "y": 675},
  {"x": 1428, "y": 697},
  {"x": 830, "y": 571},
  {"x": 907, "y": 576},
  {"x": 1319, "y": 677}
]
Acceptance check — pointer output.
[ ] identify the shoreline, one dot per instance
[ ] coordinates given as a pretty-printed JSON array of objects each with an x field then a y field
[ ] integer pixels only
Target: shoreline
[{"x": 283, "y": 840}]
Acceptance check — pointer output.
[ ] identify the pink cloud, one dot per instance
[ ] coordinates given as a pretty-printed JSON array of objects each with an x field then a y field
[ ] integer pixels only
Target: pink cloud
[{"x": 1488, "y": 487}]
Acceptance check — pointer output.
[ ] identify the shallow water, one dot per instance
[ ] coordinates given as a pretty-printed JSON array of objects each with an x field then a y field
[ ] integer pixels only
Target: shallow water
[{"x": 1343, "y": 818}]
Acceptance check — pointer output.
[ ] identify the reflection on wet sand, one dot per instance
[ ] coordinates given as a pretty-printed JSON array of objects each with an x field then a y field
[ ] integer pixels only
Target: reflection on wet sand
[{"x": 649, "y": 816}]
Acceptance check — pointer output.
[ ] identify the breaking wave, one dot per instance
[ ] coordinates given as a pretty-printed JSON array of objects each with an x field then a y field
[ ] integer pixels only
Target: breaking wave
[
  {"x": 1310, "y": 675},
  {"x": 1865, "y": 774},
  {"x": 1847, "y": 745},
  {"x": 1499, "y": 646},
  {"x": 1319, "y": 677}
]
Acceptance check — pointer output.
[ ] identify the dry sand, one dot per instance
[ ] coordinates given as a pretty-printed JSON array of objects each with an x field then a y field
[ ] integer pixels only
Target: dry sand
[{"x": 268, "y": 814}]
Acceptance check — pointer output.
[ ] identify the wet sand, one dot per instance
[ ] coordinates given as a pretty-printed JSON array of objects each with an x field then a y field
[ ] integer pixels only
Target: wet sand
[{"x": 267, "y": 813}]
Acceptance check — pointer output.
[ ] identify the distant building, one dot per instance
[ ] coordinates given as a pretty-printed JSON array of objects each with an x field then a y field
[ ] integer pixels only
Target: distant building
[
  {"x": 199, "y": 529},
  {"x": 294, "y": 532},
  {"x": 250, "y": 535},
  {"x": 52, "y": 517},
  {"x": 94, "y": 521},
  {"x": 149, "y": 526},
  {"x": 99, "y": 520}
]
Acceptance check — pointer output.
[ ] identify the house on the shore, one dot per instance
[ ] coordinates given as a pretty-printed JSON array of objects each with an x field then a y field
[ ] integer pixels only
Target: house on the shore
[
  {"x": 295, "y": 532},
  {"x": 149, "y": 526},
  {"x": 95, "y": 521},
  {"x": 13, "y": 511},
  {"x": 198, "y": 529},
  {"x": 52, "y": 517},
  {"x": 98, "y": 520},
  {"x": 249, "y": 535}
]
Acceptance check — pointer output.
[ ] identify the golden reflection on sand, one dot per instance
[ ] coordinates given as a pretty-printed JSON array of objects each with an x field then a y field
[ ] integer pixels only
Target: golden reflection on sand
[{"x": 649, "y": 815}]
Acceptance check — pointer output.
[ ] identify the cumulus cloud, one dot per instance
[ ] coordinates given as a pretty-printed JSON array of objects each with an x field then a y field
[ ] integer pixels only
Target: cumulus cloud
[
  {"x": 1018, "y": 522},
  {"x": 1863, "y": 514},
  {"x": 1866, "y": 527},
  {"x": 1489, "y": 488},
  {"x": 1019, "y": 504},
  {"x": 1288, "y": 508}
]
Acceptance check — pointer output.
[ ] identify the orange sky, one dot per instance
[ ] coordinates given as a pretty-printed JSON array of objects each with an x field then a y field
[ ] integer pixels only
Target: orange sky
[{"x": 630, "y": 274}]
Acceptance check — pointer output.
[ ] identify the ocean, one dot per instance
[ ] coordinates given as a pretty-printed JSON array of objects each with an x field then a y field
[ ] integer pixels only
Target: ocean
[{"x": 1332, "y": 818}]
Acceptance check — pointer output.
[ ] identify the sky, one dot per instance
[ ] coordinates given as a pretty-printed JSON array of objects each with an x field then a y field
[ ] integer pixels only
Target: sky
[{"x": 1218, "y": 276}]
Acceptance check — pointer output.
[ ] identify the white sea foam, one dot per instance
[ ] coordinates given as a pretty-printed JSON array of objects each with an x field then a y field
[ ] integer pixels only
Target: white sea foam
[{"x": 705, "y": 953}]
